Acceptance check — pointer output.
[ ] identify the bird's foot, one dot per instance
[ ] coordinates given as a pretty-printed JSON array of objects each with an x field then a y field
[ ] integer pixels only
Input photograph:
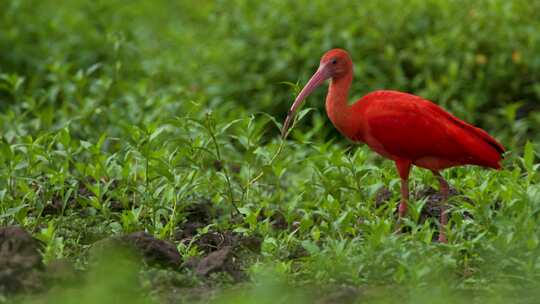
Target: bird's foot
[
  {"x": 444, "y": 222},
  {"x": 442, "y": 238},
  {"x": 402, "y": 210},
  {"x": 399, "y": 227}
]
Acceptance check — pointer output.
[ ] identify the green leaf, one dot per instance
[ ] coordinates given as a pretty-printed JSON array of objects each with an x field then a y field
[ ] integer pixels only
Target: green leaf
[
  {"x": 5, "y": 149},
  {"x": 65, "y": 137},
  {"x": 528, "y": 156},
  {"x": 311, "y": 247}
]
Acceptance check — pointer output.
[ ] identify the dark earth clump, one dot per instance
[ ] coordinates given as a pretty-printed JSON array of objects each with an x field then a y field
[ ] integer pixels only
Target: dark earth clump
[
  {"x": 432, "y": 208},
  {"x": 278, "y": 221},
  {"x": 199, "y": 215},
  {"x": 219, "y": 164},
  {"x": 117, "y": 206},
  {"x": 152, "y": 250},
  {"x": 276, "y": 218},
  {"x": 298, "y": 252},
  {"x": 215, "y": 261},
  {"x": 382, "y": 196},
  {"x": 21, "y": 266},
  {"x": 216, "y": 240},
  {"x": 223, "y": 253},
  {"x": 222, "y": 250},
  {"x": 53, "y": 207},
  {"x": 221, "y": 260},
  {"x": 187, "y": 231}
]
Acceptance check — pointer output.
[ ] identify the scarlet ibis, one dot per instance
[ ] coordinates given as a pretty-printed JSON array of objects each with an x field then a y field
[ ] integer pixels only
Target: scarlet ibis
[{"x": 402, "y": 127}]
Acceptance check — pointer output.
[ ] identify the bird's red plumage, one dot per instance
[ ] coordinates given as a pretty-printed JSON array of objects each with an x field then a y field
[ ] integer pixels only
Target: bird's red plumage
[{"x": 403, "y": 126}]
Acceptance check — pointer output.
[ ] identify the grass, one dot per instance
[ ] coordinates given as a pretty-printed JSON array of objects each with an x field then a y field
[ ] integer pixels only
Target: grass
[{"x": 118, "y": 118}]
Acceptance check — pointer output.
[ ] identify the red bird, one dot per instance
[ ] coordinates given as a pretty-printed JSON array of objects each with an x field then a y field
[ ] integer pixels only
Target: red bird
[{"x": 402, "y": 127}]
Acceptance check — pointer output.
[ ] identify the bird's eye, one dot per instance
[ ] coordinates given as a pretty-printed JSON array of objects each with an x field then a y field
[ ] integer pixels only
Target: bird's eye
[{"x": 334, "y": 61}]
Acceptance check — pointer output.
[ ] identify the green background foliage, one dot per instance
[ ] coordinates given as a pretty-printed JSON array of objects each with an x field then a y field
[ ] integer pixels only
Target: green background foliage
[{"x": 157, "y": 105}]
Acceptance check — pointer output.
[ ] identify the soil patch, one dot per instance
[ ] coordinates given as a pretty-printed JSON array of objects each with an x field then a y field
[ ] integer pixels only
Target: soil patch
[
  {"x": 432, "y": 208},
  {"x": 21, "y": 265},
  {"x": 152, "y": 250},
  {"x": 215, "y": 261},
  {"x": 277, "y": 219},
  {"x": 199, "y": 215},
  {"x": 223, "y": 252},
  {"x": 382, "y": 196},
  {"x": 216, "y": 240}
]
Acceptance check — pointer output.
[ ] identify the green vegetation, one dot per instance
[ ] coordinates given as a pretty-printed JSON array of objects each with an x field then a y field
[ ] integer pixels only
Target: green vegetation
[{"x": 119, "y": 117}]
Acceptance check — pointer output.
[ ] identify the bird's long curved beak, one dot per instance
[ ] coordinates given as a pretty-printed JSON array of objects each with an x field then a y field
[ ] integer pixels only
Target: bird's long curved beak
[{"x": 319, "y": 77}]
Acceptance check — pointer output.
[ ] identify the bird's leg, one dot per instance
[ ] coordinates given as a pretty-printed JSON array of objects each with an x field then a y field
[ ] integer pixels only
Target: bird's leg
[
  {"x": 444, "y": 190},
  {"x": 402, "y": 210},
  {"x": 403, "y": 167}
]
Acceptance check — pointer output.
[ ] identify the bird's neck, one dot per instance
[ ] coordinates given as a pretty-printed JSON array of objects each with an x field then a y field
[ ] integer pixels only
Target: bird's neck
[{"x": 337, "y": 106}]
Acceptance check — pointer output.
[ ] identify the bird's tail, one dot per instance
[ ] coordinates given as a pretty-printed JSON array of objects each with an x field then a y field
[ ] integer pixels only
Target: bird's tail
[
  {"x": 491, "y": 154},
  {"x": 493, "y": 158}
]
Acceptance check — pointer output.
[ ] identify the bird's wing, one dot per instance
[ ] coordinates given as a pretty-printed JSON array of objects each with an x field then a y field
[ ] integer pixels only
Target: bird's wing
[
  {"x": 470, "y": 129},
  {"x": 410, "y": 127}
]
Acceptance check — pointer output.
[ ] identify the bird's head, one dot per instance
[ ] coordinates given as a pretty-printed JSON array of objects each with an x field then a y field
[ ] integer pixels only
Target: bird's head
[{"x": 334, "y": 64}]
